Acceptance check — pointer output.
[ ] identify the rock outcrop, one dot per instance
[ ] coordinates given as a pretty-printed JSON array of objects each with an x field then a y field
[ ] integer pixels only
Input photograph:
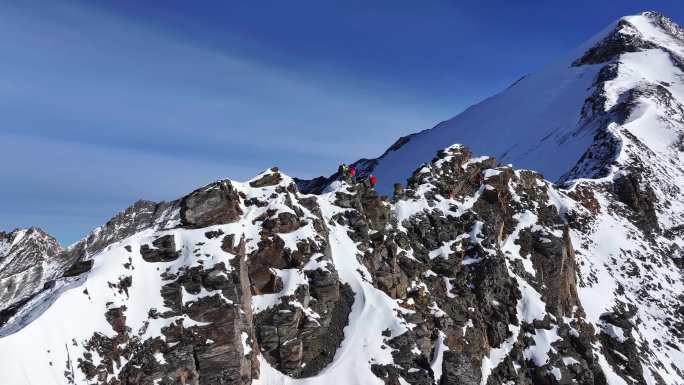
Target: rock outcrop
[{"x": 473, "y": 273}]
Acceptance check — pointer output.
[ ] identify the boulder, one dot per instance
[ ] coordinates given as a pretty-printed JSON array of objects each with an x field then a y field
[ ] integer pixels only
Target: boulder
[{"x": 215, "y": 204}]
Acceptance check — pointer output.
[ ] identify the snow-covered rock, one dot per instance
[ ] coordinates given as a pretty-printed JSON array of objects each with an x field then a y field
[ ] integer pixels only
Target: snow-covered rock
[
  {"x": 473, "y": 272},
  {"x": 28, "y": 261}
]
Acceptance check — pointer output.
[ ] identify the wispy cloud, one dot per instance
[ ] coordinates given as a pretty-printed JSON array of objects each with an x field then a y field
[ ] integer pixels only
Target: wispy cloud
[{"x": 97, "y": 111}]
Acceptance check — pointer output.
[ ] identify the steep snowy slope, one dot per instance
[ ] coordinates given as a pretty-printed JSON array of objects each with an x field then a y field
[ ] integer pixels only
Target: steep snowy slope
[{"x": 545, "y": 121}]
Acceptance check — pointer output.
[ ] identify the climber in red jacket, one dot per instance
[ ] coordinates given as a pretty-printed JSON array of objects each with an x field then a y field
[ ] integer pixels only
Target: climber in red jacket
[
  {"x": 352, "y": 171},
  {"x": 373, "y": 180}
]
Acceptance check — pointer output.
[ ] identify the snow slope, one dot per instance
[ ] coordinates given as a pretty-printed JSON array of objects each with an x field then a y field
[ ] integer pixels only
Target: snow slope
[
  {"x": 372, "y": 313},
  {"x": 539, "y": 122}
]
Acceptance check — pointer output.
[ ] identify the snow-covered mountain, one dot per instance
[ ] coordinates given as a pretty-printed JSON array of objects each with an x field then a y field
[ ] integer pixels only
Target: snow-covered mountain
[
  {"x": 472, "y": 273},
  {"x": 546, "y": 121},
  {"x": 28, "y": 262}
]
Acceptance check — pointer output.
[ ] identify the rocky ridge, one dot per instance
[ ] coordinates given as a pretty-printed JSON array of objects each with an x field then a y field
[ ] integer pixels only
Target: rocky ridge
[
  {"x": 28, "y": 263},
  {"x": 472, "y": 273}
]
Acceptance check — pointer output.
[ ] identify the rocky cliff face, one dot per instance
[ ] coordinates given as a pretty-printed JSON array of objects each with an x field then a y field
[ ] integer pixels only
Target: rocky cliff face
[
  {"x": 473, "y": 272},
  {"x": 28, "y": 262}
]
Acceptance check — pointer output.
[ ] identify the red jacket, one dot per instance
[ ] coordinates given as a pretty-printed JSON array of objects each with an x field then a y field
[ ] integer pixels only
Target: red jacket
[
  {"x": 352, "y": 170},
  {"x": 373, "y": 180}
]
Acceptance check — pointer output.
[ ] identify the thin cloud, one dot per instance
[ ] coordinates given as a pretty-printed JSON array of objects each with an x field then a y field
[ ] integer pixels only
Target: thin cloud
[{"x": 98, "y": 111}]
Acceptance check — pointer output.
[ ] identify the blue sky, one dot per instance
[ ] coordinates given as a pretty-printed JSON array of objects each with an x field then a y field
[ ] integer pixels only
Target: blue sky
[{"x": 106, "y": 102}]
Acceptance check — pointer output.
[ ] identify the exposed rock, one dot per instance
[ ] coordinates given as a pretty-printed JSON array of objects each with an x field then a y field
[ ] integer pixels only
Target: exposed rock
[
  {"x": 474, "y": 273},
  {"x": 270, "y": 179},
  {"x": 163, "y": 250},
  {"x": 214, "y": 204},
  {"x": 24, "y": 256},
  {"x": 625, "y": 38},
  {"x": 639, "y": 197},
  {"x": 78, "y": 268}
]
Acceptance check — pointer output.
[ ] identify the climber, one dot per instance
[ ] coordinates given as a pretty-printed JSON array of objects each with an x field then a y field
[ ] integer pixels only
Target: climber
[
  {"x": 342, "y": 171},
  {"x": 373, "y": 180},
  {"x": 352, "y": 171}
]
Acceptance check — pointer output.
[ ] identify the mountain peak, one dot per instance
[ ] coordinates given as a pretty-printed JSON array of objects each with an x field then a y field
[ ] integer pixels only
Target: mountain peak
[
  {"x": 31, "y": 235},
  {"x": 547, "y": 120},
  {"x": 24, "y": 253},
  {"x": 663, "y": 22},
  {"x": 647, "y": 30}
]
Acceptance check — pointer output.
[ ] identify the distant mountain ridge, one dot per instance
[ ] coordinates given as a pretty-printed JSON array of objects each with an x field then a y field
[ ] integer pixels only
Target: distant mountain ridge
[{"x": 27, "y": 261}]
